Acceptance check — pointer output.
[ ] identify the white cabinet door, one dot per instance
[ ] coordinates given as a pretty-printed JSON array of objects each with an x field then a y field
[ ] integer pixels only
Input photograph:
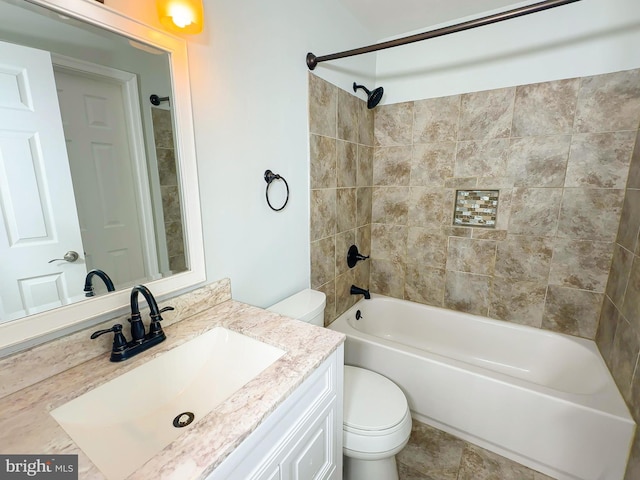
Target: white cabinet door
[{"x": 38, "y": 219}]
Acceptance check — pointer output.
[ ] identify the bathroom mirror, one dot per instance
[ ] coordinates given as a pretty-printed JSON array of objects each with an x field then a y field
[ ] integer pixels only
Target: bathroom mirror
[{"x": 89, "y": 166}]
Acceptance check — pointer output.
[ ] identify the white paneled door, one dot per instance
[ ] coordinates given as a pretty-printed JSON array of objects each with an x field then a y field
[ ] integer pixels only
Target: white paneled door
[
  {"x": 95, "y": 127},
  {"x": 38, "y": 219}
]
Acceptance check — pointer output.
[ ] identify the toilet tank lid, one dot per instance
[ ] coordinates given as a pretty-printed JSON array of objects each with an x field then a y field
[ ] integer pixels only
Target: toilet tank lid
[{"x": 303, "y": 305}]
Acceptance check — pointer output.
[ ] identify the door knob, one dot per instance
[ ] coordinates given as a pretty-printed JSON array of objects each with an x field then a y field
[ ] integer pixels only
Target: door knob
[{"x": 70, "y": 257}]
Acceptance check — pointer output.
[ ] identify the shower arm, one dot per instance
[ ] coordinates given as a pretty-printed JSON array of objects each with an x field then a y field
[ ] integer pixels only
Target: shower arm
[{"x": 312, "y": 60}]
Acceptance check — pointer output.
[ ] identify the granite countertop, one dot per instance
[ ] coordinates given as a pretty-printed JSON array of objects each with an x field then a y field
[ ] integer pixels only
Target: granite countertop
[{"x": 26, "y": 427}]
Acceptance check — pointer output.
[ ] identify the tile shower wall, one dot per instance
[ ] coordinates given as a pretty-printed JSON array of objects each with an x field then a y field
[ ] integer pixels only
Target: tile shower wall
[
  {"x": 165, "y": 153},
  {"x": 618, "y": 335},
  {"x": 558, "y": 152},
  {"x": 341, "y": 145}
]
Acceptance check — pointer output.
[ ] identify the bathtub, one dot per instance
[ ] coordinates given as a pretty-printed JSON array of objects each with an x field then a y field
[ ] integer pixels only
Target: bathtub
[{"x": 542, "y": 399}]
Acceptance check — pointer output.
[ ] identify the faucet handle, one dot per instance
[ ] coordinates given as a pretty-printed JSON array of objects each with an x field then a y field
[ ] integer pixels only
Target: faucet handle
[
  {"x": 158, "y": 317},
  {"x": 119, "y": 340},
  {"x": 155, "y": 330}
]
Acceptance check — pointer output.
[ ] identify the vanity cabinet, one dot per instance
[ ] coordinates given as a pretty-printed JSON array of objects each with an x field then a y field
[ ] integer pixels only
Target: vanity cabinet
[{"x": 301, "y": 439}]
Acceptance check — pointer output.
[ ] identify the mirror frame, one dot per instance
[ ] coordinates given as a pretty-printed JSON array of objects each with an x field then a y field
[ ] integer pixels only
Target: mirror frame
[{"x": 34, "y": 329}]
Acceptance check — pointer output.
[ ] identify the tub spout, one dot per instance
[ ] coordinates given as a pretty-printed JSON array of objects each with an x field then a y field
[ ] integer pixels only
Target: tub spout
[{"x": 360, "y": 291}]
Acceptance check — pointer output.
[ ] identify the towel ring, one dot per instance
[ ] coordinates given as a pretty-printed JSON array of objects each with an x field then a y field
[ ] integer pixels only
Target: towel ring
[{"x": 269, "y": 177}]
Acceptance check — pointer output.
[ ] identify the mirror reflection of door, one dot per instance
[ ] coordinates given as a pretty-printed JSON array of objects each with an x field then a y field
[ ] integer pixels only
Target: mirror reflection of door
[
  {"x": 38, "y": 220},
  {"x": 96, "y": 117}
]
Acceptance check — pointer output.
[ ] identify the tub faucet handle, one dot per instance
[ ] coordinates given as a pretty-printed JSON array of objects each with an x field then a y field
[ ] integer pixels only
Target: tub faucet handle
[{"x": 354, "y": 256}]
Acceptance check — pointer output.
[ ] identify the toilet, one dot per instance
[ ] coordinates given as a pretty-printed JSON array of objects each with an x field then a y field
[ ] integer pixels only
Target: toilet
[{"x": 377, "y": 421}]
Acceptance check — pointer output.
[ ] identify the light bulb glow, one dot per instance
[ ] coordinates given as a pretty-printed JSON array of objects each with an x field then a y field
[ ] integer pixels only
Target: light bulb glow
[
  {"x": 184, "y": 16},
  {"x": 181, "y": 15}
]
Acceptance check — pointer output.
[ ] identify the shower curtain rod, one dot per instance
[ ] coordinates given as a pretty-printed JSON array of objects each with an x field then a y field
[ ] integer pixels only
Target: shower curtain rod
[{"x": 312, "y": 60}]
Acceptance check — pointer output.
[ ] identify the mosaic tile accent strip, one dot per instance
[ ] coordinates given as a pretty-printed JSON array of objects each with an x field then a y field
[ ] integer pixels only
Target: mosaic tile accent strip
[{"x": 476, "y": 208}]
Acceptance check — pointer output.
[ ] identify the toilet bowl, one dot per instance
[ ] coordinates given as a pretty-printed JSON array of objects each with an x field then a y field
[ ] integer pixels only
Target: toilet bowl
[{"x": 377, "y": 420}]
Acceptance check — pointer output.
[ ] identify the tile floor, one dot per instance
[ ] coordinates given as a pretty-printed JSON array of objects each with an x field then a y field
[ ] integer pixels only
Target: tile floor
[{"x": 432, "y": 454}]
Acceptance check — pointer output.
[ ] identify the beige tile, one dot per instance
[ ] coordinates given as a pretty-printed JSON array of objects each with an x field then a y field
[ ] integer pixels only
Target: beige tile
[
  {"x": 390, "y": 205},
  {"x": 633, "y": 466},
  {"x": 485, "y": 115},
  {"x": 388, "y": 242},
  {"x": 364, "y": 199},
  {"x": 365, "y": 124},
  {"x": 432, "y": 164},
  {"x": 545, "y": 108},
  {"x": 392, "y": 166},
  {"x": 362, "y": 273},
  {"x": 600, "y": 160},
  {"x": 387, "y": 278},
  {"x": 466, "y": 292},
  {"x": 427, "y": 207},
  {"x": 344, "y": 300},
  {"x": 451, "y": 231},
  {"x": 634, "y": 170},
  {"x": 609, "y": 103},
  {"x": 343, "y": 241},
  {"x": 471, "y": 256},
  {"x": 408, "y": 473},
  {"x": 517, "y": 301},
  {"x": 345, "y": 209},
  {"x": 171, "y": 203},
  {"x": 426, "y": 247},
  {"x": 607, "y": 324},
  {"x": 590, "y": 214},
  {"x": 364, "y": 177},
  {"x": 480, "y": 464},
  {"x": 631, "y": 306},
  {"x": 619, "y": 274},
  {"x": 581, "y": 264},
  {"x": 323, "y": 253},
  {"x": 175, "y": 238},
  {"x": 505, "y": 201},
  {"x": 461, "y": 183},
  {"x": 323, "y": 213},
  {"x": 424, "y": 284},
  {"x": 393, "y": 124},
  {"x": 436, "y": 119},
  {"x": 323, "y": 107},
  {"x": 482, "y": 158},
  {"x": 167, "y": 166},
  {"x": 624, "y": 355},
  {"x": 363, "y": 239},
  {"x": 634, "y": 397},
  {"x": 571, "y": 311},
  {"x": 629, "y": 220},
  {"x": 347, "y": 163},
  {"x": 524, "y": 258},
  {"x": 432, "y": 452},
  {"x": 162, "y": 128},
  {"x": 348, "y": 117},
  {"x": 539, "y": 161},
  {"x": 177, "y": 263},
  {"x": 489, "y": 234},
  {"x": 534, "y": 211},
  {"x": 329, "y": 289},
  {"x": 323, "y": 162}
]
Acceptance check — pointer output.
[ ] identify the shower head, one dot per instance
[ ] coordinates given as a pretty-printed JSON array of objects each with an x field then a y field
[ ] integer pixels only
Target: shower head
[{"x": 374, "y": 96}]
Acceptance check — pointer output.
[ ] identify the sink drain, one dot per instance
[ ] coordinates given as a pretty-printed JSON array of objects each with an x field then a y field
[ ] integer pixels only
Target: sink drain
[{"x": 183, "y": 419}]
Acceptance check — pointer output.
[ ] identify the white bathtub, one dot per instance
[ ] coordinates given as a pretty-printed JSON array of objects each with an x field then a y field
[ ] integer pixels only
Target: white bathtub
[{"x": 543, "y": 399}]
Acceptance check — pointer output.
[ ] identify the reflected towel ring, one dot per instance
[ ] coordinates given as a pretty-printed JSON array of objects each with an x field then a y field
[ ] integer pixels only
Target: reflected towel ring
[{"x": 269, "y": 177}]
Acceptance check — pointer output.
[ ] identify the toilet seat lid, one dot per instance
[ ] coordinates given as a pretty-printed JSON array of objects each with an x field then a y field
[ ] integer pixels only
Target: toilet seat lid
[{"x": 371, "y": 402}]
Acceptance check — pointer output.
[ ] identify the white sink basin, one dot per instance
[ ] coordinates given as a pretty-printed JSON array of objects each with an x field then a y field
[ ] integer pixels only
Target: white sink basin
[{"x": 125, "y": 422}]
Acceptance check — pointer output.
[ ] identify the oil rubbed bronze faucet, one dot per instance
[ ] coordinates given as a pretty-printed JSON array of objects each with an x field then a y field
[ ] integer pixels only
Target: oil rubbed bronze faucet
[
  {"x": 360, "y": 291},
  {"x": 88, "y": 285},
  {"x": 140, "y": 340}
]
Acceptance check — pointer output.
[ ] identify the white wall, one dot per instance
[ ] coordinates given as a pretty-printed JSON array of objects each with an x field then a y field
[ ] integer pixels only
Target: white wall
[
  {"x": 588, "y": 37},
  {"x": 249, "y": 81}
]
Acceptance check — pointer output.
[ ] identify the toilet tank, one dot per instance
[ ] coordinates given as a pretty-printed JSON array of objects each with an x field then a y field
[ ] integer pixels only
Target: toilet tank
[{"x": 307, "y": 305}]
